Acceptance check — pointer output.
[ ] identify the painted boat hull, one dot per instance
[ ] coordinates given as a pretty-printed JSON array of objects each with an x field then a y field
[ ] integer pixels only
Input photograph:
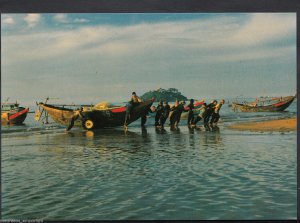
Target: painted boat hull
[
  {"x": 111, "y": 117},
  {"x": 280, "y": 106},
  {"x": 14, "y": 118}
]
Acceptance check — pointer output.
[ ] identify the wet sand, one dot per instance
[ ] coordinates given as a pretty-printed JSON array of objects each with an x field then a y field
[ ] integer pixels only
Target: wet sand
[{"x": 280, "y": 125}]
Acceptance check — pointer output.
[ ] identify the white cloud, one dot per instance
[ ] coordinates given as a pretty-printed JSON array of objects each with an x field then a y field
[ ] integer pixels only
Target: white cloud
[
  {"x": 8, "y": 21},
  {"x": 62, "y": 18},
  {"x": 264, "y": 27},
  {"x": 218, "y": 39},
  {"x": 121, "y": 56},
  {"x": 196, "y": 38},
  {"x": 32, "y": 19}
]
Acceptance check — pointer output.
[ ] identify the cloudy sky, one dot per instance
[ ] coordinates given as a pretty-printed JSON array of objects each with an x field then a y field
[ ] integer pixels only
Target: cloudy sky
[{"x": 87, "y": 58}]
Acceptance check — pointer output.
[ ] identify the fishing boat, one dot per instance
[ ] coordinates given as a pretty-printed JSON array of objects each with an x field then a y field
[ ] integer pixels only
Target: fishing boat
[
  {"x": 12, "y": 113},
  {"x": 101, "y": 115},
  {"x": 264, "y": 104}
]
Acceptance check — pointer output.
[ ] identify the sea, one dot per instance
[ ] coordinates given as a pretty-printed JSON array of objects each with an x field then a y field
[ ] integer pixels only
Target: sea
[{"x": 148, "y": 173}]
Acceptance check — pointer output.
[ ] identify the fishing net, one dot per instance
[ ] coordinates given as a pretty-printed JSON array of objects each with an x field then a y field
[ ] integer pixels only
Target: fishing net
[{"x": 104, "y": 105}]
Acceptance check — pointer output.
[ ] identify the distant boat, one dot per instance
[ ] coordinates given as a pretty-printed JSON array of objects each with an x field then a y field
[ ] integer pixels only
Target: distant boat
[
  {"x": 12, "y": 113},
  {"x": 264, "y": 104},
  {"x": 98, "y": 116}
]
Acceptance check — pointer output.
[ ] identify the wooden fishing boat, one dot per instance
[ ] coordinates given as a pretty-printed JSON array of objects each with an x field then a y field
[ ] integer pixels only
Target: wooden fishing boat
[
  {"x": 93, "y": 117},
  {"x": 12, "y": 113},
  {"x": 264, "y": 105}
]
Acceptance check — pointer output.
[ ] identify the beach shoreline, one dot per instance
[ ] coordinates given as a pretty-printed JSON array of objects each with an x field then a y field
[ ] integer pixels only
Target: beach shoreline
[{"x": 279, "y": 125}]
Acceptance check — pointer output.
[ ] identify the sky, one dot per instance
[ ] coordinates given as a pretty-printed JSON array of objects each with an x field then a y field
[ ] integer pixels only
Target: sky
[{"x": 93, "y": 57}]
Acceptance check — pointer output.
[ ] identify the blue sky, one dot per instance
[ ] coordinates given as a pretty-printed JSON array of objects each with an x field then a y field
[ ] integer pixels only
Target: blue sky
[{"x": 87, "y": 58}]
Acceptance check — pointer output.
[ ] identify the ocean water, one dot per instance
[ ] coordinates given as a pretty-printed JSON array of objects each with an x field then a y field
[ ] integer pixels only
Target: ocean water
[{"x": 148, "y": 174}]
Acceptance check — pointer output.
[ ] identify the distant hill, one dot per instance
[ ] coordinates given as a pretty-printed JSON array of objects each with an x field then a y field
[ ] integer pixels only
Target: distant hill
[{"x": 171, "y": 95}]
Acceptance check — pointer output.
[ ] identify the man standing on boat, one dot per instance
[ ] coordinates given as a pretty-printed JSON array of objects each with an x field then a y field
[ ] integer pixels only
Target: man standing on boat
[{"x": 134, "y": 101}]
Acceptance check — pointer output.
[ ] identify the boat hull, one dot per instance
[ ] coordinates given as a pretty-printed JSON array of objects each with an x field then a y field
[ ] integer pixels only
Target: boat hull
[
  {"x": 99, "y": 118},
  {"x": 280, "y": 106},
  {"x": 14, "y": 118}
]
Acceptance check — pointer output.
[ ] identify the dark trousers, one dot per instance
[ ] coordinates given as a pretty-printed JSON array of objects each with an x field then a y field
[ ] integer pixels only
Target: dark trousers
[
  {"x": 173, "y": 118},
  {"x": 163, "y": 119},
  {"x": 129, "y": 107},
  {"x": 197, "y": 119},
  {"x": 190, "y": 120},
  {"x": 158, "y": 118},
  {"x": 215, "y": 118},
  {"x": 178, "y": 117},
  {"x": 207, "y": 117},
  {"x": 143, "y": 120}
]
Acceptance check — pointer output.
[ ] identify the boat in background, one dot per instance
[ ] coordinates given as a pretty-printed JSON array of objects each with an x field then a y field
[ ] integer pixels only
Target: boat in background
[
  {"x": 272, "y": 104},
  {"x": 12, "y": 113},
  {"x": 101, "y": 115}
]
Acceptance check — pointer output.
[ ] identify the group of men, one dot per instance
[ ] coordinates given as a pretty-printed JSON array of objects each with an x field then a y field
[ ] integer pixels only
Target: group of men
[{"x": 208, "y": 113}]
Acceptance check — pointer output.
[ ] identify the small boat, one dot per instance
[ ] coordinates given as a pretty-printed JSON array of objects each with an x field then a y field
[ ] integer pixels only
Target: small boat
[
  {"x": 101, "y": 115},
  {"x": 12, "y": 113},
  {"x": 265, "y": 105}
]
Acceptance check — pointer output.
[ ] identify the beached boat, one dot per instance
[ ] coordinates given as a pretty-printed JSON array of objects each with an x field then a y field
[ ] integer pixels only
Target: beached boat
[
  {"x": 264, "y": 105},
  {"x": 12, "y": 113},
  {"x": 92, "y": 117}
]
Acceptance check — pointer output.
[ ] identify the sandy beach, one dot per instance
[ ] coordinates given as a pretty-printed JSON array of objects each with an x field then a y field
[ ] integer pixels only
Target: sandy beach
[{"x": 281, "y": 125}]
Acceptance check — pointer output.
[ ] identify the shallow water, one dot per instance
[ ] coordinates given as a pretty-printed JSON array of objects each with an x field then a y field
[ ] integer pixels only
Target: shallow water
[{"x": 108, "y": 174}]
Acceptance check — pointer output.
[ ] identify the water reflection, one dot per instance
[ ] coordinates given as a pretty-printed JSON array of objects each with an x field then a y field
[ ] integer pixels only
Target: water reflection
[
  {"x": 160, "y": 131},
  {"x": 144, "y": 131},
  {"x": 8, "y": 128},
  {"x": 108, "y": 143},
  {"x": 90, "y": 134},
  {"x": 175, "y": 130},
  {"x": 211, "y": 138},
  {"x": 11, "y": 124},
  {"x": 191, "y": 130},
  {"x": 197, "y": 171},
  {"x": 215, "y": 129},
  {"x": 162, "y": 139}
]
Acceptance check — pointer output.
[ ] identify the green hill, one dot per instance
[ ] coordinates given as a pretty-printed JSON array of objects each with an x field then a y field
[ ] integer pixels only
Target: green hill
[{"x": 171, "y": 95}]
